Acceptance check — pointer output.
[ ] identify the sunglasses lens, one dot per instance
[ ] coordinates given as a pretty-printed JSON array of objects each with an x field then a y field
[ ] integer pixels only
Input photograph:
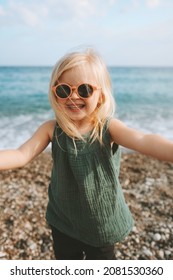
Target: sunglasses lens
[
  {"x": 63, "y": 91},
  {"x": 85, "y": 90}
]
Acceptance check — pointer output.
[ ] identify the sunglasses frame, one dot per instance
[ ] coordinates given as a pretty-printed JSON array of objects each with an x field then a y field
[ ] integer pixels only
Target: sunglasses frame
[{"x": 72, "y": 88}]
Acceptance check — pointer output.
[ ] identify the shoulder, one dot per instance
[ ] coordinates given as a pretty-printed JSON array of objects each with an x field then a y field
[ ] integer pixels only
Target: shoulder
[
  {"x": 48, "y": 127},
  {"x": 115, "y": 123},
  {"x": 116, "y": 128},
  {"x": 124, "y": 135}
]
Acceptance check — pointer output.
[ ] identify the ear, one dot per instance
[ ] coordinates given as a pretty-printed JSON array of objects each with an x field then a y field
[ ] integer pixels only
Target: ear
[{"x": 101, "y": 100}]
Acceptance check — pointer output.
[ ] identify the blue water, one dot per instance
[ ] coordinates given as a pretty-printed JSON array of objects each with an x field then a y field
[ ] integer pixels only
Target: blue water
[{"x": 144, "y": 98}]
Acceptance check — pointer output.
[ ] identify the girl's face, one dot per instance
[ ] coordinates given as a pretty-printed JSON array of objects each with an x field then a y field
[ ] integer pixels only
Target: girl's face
[{"x": 78, "y": 109}]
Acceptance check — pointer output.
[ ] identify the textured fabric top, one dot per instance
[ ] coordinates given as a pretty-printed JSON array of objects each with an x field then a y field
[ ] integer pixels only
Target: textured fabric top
[{"x": 86, "y": 200}]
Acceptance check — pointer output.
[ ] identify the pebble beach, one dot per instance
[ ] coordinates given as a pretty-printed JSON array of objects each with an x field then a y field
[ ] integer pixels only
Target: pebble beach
[{"x": 148, "y": 188}]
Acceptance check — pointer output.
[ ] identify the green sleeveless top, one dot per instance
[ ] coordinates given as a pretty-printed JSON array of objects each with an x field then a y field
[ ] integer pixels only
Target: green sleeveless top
[{"x": 86, "y": 200}]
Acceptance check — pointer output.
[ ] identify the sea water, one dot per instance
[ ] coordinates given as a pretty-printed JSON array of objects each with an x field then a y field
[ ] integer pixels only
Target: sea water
[{"x": 144, "y": 100}]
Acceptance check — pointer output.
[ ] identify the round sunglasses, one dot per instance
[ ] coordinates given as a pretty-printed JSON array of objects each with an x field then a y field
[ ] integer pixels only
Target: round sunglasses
[{"x": 64, "y": 91}]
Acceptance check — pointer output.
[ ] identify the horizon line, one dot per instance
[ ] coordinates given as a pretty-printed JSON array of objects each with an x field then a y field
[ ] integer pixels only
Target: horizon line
[{"x": 109, "y": 66}]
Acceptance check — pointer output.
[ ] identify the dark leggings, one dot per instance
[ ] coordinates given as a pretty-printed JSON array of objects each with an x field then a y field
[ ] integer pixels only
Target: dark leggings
[{"x": 68, "y": 248}]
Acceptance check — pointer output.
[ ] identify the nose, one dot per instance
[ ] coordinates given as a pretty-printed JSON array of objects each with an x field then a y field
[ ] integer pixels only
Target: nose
[{"x": 74, "y": 94}]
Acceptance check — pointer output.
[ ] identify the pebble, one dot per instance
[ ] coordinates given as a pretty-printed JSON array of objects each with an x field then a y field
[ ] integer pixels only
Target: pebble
[
  {"x": 157, "y": 237},
  {"x": 147, "y": 252},
  {"x": 28, "y": 226},
  {"x": 167, "y": 253},
  {"x": 32, "y": 245},
  {"x": 149, "y": 181},
  {"x": 161, "y": 254},
  {"x": 2, "y": 255}
]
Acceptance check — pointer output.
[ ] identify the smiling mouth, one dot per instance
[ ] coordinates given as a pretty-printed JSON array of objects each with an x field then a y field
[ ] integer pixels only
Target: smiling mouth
[{"x": 75, "y": 106}]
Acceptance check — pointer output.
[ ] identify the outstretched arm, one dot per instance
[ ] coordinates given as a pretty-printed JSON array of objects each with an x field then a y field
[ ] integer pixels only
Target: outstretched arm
[
  {"x": 148, "y": 144},
  {"x": 10, "y": 159}
]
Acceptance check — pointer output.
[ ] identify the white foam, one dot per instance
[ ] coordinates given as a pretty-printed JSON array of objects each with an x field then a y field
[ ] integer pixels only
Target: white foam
[{"x": 15, "y": 131}]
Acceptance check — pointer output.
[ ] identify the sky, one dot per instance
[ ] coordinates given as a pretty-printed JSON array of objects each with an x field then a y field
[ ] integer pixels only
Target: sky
[{"x": 124, "y": 32}]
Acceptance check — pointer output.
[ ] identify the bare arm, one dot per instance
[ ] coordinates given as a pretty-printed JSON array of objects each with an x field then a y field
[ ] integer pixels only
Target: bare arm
[
  {"x": 10, "y": 159},
  {"x": 148, "y": 144}
]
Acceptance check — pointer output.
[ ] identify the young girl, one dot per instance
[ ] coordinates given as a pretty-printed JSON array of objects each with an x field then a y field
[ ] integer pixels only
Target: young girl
[{"x": 86, "y": 210}]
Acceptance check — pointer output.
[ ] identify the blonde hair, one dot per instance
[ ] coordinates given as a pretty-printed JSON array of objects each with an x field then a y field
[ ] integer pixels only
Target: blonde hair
[{"x": 105, "y": 109}]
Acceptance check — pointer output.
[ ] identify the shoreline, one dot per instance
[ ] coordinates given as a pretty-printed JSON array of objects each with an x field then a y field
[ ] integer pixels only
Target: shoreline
[{"x": 148, "y": 189}]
